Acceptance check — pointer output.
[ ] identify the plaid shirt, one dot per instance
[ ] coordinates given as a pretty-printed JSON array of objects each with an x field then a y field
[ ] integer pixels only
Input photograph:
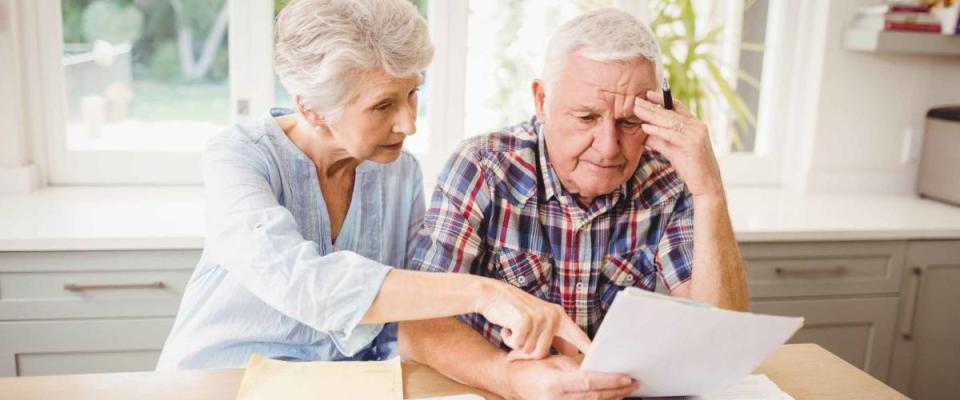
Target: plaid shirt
[{"x": 499, "y": 211}]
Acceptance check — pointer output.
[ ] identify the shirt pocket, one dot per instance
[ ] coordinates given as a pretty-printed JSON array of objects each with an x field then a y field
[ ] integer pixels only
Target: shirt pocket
[
  {"x": 621, "y": 271},
  {"x": 526, "y": 270}
]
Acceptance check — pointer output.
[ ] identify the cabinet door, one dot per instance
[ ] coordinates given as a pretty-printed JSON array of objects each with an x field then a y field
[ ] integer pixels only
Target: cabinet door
[
  {"x": 859, "y": 331},
  {"x": 926, "y": 362},
  {"x": 81, "y": 346}
]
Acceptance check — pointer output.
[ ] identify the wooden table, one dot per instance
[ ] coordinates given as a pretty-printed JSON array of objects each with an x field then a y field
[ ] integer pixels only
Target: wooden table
[{"x": 805, "y": 371}]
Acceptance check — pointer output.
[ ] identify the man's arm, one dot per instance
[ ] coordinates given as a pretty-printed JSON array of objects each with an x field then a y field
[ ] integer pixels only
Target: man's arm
[
  {"x": 718, "y": 272},
  {"x": 460, "y": 353},
  {"x": 445, "y": 344}
]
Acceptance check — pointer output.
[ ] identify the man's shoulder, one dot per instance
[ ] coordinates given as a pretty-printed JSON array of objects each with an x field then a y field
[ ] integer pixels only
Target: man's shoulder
[
  {"x": 491, "y": 146},
  {"x": 504, "y": 161}
]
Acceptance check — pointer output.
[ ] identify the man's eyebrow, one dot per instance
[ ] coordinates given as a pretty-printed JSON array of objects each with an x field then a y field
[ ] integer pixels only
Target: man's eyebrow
[{"x": 587, "y": 107}]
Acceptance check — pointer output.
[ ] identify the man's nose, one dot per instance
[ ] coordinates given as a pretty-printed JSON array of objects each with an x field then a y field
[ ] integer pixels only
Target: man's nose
[{"x": 606, "y": 140}]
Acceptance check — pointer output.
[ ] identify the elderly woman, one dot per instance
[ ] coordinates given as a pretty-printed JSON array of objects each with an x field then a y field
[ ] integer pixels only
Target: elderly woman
[{"x": 308, "y": 212}]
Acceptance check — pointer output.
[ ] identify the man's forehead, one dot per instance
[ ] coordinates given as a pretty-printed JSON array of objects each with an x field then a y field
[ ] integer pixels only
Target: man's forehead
[
  {"x": 600, "y": 96},
  {"x": 614, "y": 93},
  {"x": 610, "y": 90}
]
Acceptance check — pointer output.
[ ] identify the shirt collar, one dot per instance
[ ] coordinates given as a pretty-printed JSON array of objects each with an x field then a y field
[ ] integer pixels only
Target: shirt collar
[{"x": 551, "y": 184}]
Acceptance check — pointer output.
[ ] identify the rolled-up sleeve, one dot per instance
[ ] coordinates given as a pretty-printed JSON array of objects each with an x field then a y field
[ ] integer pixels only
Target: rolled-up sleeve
[{"x": 258, "y": 242}]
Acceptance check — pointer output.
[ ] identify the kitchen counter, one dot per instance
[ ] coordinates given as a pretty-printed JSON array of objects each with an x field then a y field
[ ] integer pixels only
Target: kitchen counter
[{"x": 130, "y": 218}]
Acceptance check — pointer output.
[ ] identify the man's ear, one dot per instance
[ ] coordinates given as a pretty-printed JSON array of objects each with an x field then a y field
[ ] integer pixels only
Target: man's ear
[
  {"x": 307, "y": 114},
  {"x": 539, "y": 95}
]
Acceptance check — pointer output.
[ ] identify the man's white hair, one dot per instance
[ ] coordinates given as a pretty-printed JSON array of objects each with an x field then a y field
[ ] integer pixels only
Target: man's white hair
[
  {"x": 603, "y": 35},
  {"x": 323, "y": 46}
]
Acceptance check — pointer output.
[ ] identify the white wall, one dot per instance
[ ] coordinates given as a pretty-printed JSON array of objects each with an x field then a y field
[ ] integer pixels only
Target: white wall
[{"x": 855, "y": 137}]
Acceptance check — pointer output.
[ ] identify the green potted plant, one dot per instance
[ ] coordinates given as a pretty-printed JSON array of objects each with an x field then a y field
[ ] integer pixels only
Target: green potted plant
[{"x": 692, "y": 63}]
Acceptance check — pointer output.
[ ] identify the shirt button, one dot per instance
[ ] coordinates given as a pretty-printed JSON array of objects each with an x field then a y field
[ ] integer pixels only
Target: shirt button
[
  {"x": 580, "y": 286},
  {"x": 629, "y": 279},
  {"x": 522, "y": 280}
]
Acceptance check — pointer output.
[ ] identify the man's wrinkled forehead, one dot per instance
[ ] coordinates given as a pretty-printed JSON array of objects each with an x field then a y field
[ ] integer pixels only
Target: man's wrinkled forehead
[
  {"x": 599, "y": 97},
  {"x": 610, "y": 87}
]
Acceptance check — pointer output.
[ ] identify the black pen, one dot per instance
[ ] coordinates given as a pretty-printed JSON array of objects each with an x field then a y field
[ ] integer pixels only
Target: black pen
[{"x": 667, "y": 98}]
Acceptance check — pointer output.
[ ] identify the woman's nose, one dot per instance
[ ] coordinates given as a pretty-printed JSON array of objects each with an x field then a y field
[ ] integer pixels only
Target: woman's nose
[{"x": 406, "y": 122}]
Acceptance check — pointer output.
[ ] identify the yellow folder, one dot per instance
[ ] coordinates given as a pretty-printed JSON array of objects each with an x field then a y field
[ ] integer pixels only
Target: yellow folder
[{"x": 273, "y": 379}]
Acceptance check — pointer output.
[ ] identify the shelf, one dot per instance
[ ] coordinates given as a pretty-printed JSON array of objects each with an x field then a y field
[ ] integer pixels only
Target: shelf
[{"x": 902, "y": 42}]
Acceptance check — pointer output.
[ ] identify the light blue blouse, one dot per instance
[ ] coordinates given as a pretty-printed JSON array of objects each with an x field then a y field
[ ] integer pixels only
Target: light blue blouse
[{"x": 270, "y": 281}]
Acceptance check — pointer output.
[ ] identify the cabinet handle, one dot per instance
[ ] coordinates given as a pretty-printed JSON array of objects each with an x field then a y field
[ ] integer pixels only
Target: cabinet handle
[
  {"x": 810, "y": 272},
  {"x": 79, "y": 288},
  {"x": 906, "y": 324}
]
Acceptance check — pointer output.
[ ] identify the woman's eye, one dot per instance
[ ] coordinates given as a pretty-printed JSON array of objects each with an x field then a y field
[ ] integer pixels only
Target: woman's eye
[
  {"x": 383, "y": 107},
  {"x": 414, "y": 91}
]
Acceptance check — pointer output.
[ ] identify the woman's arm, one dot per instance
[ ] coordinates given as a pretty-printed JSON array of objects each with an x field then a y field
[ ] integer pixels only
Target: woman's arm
[
  {"x": 257, "y": 240},
  {"x": 529, "y": 324}
]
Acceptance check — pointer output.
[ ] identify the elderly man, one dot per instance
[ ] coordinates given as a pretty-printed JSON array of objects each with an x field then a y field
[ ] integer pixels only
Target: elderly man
[{"x": 601, "y": 190}]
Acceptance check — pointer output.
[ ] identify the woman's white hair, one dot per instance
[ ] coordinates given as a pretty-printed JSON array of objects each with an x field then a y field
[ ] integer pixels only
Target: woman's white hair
[
  {"x": 604, "y": 35},
  {"x": 322, "y": 47}
]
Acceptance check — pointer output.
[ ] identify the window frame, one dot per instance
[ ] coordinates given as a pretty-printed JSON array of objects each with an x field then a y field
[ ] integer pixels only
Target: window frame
[
  {"x": 252, "y": 61},
  {"x": 446, "y": 84},
  {"x": 764, "y": 165}
]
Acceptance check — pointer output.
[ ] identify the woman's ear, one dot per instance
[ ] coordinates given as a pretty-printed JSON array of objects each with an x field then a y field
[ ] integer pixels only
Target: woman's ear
[{"x": 314, "y": 119}]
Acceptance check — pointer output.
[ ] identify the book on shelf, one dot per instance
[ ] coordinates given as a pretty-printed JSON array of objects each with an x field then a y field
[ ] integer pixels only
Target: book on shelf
[{"x": 896, "y": 17}]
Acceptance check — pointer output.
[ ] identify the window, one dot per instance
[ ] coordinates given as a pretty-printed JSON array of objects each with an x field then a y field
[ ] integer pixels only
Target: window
[
  {"x": 145, "y": 82},
  {"x": 721, "y": 63},
  {"x": 148, "y": 77},
  {"x": 133, "y": 89}
]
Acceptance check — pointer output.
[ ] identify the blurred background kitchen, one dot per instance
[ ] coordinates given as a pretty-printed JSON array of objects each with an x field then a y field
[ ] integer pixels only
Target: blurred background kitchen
[{"x": 837, "y": 125}]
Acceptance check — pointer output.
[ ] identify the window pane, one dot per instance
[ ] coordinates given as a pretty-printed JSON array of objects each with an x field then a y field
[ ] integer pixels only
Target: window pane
[
  {"x": 417, "y": 143},
  {"x": 145, "y": 75},
  {"x": 721, "y": 84},
  {"x": 505, "y": 49}
]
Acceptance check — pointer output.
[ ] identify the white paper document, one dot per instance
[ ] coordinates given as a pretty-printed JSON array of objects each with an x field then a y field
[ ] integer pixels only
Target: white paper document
[
  {"x": 677, "y": 347},
  {"x": 754, "y": 387}
]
